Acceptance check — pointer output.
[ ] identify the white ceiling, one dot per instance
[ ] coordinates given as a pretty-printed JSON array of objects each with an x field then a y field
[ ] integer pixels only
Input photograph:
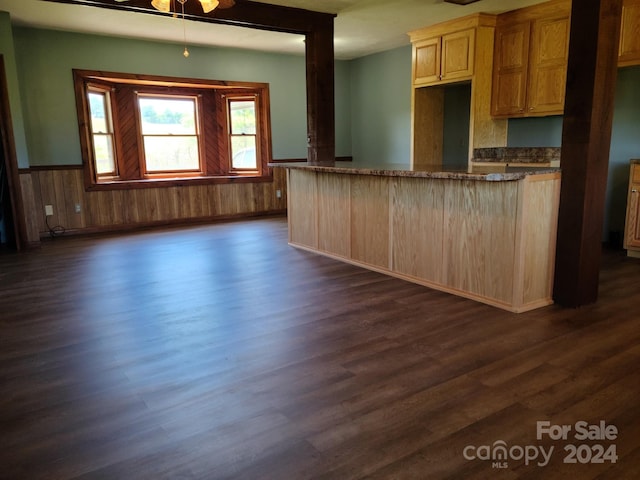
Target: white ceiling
[{"x": 362, "y": 27}]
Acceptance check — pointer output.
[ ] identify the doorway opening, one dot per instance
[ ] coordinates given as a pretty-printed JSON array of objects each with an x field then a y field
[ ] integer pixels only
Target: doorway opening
[{"x": 10, "y": 232}]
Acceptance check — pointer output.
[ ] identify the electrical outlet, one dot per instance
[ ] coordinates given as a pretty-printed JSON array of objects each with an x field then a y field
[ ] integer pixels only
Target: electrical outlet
[
  {"x": 78, "y": 209},
  {"x": 48, "y": 210},
  {"x": 278, "y": 193}
]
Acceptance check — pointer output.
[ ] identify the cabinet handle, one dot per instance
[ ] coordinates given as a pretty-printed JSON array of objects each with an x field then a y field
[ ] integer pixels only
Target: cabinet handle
[{"x": 634, "y": 191}]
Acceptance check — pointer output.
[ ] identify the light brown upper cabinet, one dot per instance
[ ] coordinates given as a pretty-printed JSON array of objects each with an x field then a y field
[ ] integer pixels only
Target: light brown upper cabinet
[
  {"x": 450, "y": 59},
  {"x": 548, "y": 66},
  {"x": 444, "y": 58},
  {"x": 511, "y": 62},
  {"x": 630, "y": 34},
  {"x": 530, "y": 60}
]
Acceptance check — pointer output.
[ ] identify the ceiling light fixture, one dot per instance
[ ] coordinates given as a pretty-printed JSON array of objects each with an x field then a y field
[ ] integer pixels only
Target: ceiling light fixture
[{"x": 166, "y": 6}]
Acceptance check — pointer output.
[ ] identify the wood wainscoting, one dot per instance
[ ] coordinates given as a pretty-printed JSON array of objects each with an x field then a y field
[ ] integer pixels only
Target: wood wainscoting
[{"x": 111, "y": 210}]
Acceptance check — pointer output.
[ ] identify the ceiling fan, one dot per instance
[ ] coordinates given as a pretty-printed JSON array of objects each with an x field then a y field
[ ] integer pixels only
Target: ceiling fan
[
  {"x": 207, "y": 5},
  {"x": 169, "y": 6}
]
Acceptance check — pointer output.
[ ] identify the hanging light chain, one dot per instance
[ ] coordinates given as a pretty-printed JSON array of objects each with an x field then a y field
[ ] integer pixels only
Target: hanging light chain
[{"x": 184, "y": 30}]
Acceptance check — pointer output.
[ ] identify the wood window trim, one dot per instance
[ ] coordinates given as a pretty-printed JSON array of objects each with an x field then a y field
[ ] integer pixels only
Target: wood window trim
[
  {"x": 199, "y": 117},
  {"x": 215, "y": 161},
  {"x": 229, "y": 133},
  {"x": 105, "y": 91}
]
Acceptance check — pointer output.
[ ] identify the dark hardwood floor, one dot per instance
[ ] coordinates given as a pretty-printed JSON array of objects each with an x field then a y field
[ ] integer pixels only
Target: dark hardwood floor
[{"x": 219, "y": 351}]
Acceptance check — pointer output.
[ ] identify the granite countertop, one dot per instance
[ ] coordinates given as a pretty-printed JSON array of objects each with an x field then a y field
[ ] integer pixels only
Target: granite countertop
[
  {"x": 474, "y": 173},
  {"x": 517, "y": 154}
]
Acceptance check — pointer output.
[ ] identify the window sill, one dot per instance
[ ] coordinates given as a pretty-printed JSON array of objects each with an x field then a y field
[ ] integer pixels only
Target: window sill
[{"x": 176, "y": 182}]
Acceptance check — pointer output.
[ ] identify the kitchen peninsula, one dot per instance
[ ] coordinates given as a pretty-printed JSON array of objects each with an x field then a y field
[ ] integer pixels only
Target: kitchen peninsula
[{"x": 479, "y": 233}]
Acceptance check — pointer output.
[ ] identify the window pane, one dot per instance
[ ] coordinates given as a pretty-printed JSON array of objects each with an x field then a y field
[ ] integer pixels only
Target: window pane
[
  {"x": 163, "y": 116},
  {"x": 171, "y": 153},
  {"x": 103, "y": 152},
  {"x": 243, "y": 152},
  {"x": 243, "y": 117},
  {"x": 98, "y": 113}
]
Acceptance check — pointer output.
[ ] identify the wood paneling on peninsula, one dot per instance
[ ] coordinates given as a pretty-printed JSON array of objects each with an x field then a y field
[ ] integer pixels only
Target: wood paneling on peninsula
[
  {"x": 63, "y": 188},
  {"x": 303, "y": 217},
  {"x": 370, "y": 213},
  {"x": 489, "y": 237},
  {"x": 334, "y": 214},
  {"x": 418, "y": 208}
]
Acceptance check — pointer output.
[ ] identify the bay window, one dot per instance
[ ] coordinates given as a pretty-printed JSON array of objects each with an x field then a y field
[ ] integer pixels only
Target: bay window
[{"x": 137, "y": 130}]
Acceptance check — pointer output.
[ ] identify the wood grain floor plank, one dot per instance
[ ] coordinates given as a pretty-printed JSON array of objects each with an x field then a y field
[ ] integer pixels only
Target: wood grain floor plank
[{"x": 218, "y": 351}]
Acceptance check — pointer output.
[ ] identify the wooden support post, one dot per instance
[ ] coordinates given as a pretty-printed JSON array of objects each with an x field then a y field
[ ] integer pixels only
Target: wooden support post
[
  {"x": 321, "y": 133},
  {"x": 586, "y": 139}
]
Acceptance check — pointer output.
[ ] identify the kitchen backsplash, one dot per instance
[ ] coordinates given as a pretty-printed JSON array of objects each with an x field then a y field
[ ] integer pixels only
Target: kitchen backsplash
[{"x": 517, "y": 154}]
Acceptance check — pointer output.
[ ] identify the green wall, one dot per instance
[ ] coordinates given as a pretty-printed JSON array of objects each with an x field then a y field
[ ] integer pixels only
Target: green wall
[
  {"x": 535, "y": 132},
  {"x": 45, "y": 59},
  {"x": 7, "y": 51},
  {"x": 381, "y": 107},
  {"x": 625, "y": 145},
  {"x": 457, "y": 116}
]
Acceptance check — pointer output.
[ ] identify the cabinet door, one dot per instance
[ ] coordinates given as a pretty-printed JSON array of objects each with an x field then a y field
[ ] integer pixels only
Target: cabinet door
[
  {"x": 630, "y": 34},
  {"x": 511, "y": 56},
  {"x": 426, "y": 61},
  {"x": 548, "y": 66},
  {"x": 457, "y": 55},
  {"x": 632, "y": 234}
]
